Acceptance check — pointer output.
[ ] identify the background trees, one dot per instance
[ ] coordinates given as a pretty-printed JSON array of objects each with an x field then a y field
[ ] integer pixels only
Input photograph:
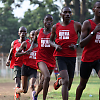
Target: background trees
[{"x": 33, "y": 19}]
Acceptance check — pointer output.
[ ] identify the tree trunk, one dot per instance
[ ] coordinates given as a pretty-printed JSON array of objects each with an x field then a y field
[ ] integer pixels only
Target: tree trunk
[
  {"x": 77, "y": 10},
  {"x": 67, "y": 2},
  {"x": 84, "y": 10}
]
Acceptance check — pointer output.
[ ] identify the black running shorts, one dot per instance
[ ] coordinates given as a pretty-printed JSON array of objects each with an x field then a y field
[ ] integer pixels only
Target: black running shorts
[
  {"x": 66, "y": 63},
  {"x": 86, "y": 68}
]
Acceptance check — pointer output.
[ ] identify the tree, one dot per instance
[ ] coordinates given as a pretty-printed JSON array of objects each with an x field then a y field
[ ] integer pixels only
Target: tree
[
  {"x": 34, "y": 19},
  {"x": 81, "y": 9},
  {"x": 8, "y": 27}
]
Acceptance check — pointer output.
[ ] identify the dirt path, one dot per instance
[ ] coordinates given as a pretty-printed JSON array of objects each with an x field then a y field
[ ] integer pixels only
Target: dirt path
[{"x": 7, "y": 91}]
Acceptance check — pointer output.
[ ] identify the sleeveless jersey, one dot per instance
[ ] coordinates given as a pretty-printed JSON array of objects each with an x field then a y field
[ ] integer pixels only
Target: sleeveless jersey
[
  {"x": 16, "y": 61},
  {"x": 65, "y": 36},
  {"x": 30, "y": 60},
  {"x": 91, "y": 51},
  {"x": 45, "y": 51}
]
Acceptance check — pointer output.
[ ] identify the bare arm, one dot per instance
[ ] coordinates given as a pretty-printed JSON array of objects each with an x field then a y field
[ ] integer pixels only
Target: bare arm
[
  {"x": 85, "y": 37},
  {"x": 77, "y": 27},
  {"x": 52, "y": 37},
  {"x": 10, "y": 55},
  {"x": 34, "y": 44},
  {"x": 21, "y": 48}
]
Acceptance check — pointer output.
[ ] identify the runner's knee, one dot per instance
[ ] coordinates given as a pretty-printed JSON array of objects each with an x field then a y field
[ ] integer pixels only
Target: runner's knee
[
  {"x": 65, "y": 82},
  {"x": 82, "y": 87},
  {"x": 47, "y": 78}
]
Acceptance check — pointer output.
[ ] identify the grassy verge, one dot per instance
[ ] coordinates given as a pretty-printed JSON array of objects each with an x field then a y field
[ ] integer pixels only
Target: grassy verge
[
  {"x": 90, "y": 93},
  {"x": 5, "y": 80}
]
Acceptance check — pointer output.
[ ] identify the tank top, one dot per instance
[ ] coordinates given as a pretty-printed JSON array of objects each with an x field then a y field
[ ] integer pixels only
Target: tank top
[
  {"x": 91, "y": 51},
  {"x": 45, "y": 50},
  {"x": 65, "y": 36},
  {"x": 16, "y": 61},
  {"x": 30, "y": 60}
]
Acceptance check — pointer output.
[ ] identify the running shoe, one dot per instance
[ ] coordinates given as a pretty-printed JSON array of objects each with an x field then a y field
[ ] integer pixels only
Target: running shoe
[
  {"x": 56, "y": 84},
  {"x": 16, "y": 95},
  {"x": 34, "y": 97}
]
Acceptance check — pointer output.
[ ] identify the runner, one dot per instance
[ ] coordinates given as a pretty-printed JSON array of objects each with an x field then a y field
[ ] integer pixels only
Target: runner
[
  {"x": 66, "y": 34},
  {"x": 29, "y": 68},
  {"x": 90, "y": 40},
  {"x": 16, "y": 62},
  {"x": 45, "y": 59}
]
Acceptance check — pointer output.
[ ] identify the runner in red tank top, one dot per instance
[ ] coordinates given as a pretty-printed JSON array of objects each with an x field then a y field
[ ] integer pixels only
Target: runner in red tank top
[
  {"x": 16, "y": 62},
  {"x": 90, "y": 41},
  {"x": 39, "y": 74},
  {"x": 45, "y": 59},
  {"x": 29, "y": 68},
  {"x": 65, "y": 49}
]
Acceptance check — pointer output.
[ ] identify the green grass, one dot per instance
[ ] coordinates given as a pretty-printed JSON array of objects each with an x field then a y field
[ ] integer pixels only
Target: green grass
[
  {"x": 92, "y": 88},
  {"x": 4, "y": 80}
]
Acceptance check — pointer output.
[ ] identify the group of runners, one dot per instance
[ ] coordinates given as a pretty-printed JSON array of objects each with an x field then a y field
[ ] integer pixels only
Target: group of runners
[{"x": 56, "y": 46}]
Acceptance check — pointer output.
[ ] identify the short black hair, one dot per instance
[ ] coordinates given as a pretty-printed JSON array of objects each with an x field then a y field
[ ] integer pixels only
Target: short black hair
[
  {"x": 95, "y": 4},
  {"x": 65, "y": 7},
  {"x": 48, "y": 15},
  {"x": 23, "y": 27}
]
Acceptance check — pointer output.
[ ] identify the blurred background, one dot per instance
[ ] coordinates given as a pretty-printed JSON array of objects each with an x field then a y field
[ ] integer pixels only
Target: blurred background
[{"x": 30, "y": 13}]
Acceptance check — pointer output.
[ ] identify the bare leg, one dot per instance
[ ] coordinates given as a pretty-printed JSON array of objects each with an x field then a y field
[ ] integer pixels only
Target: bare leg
[
  {"x": 40, "y": 86},
  {"x": 65, "y": 80},
  {"x": 99, "y": 88},
  {"x": 70, "y": 83},
  {"x": 24, "y": 85},
  {"x": 17, "y": 82},
  {"x": 44, "y": 84},
  {"x": 80, "y": 88},
  {"x": 32, "y": 81}
]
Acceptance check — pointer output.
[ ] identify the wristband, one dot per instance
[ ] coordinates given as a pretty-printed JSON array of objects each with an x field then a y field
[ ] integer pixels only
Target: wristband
[{"x": 92, "y": 33}]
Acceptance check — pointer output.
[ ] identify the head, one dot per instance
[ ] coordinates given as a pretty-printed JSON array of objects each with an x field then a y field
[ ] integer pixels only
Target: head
[
  {"x": 96, "y": 8},
  {"x": 22, "y": 32},
  {"x": 48, "y": 21},
  {"x": 32, "y": 34},
  {"x": 66, "y": 13}
]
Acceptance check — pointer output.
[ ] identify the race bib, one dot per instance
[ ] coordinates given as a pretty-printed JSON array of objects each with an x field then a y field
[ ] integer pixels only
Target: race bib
[
  {"x": 33, "y": 55},
  {"x": 97, "y": 40},
  {"x": 63, "y": 34},
  {"x": 45, "y": 42}
]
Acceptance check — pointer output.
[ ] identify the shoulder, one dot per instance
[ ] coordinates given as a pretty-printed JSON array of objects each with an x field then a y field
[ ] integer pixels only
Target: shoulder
[
  {"x": 77, "y": 23},
  {"x": 37, "y": 31},
  {"x": 12, "y": 44},
  {"x": 54, "y": 27},
  {"x": 77, "y": 26},
  {"x": 86, "y": 24},
  {"x": 24, "y": 43}
]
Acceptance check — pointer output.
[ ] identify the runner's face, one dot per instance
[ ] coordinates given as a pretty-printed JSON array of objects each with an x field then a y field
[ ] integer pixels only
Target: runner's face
[
  {"x": 66, "y": 14},
  {"x": 22, "y": 32},
  {"x": 48, "y": 20},
  {"x": 32, "y": 35},
  {"x": 96, "y": 9}
]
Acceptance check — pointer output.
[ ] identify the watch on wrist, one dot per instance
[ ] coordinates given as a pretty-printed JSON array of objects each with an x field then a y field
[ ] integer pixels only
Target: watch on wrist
[{"x": 92, "y": 33}]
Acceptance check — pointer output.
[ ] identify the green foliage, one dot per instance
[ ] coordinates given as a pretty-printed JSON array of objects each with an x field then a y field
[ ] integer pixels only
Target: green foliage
[
  {"x": 8, "y": 28},
  {"x": 34, "y": 19}
]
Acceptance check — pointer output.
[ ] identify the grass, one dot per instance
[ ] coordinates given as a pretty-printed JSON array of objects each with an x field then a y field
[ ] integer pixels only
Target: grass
[
  {"x": 5, "y": 80},
  {"x": 92, "y": 88}
]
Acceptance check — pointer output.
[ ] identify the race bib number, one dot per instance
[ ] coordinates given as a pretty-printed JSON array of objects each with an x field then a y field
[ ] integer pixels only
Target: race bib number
[
  {"x": 33, "y": 55},
  {"x": 45, "y": 42},
  {"x": 97, "y": 40},
  {"x": 63, "y": 34}
]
